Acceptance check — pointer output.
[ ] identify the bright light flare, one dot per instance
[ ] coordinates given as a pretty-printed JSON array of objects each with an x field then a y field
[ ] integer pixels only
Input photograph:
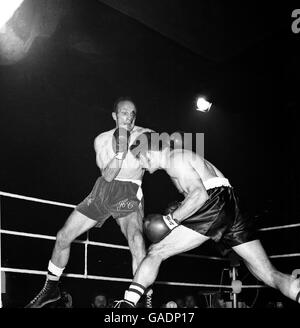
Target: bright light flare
[
  {"x": 203, "y": 105},
  {"x": 7, "y": 9}
]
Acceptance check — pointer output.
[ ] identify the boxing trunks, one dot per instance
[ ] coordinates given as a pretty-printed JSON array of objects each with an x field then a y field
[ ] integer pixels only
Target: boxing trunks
[
  {"x": 220, "y": 217},
  {"x": 117, "y": 198}
]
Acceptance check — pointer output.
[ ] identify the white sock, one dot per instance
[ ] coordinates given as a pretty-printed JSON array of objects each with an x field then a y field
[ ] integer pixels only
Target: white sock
[
  {"x": 134, "y": 293},
  {"x": 54, "y": 272}
]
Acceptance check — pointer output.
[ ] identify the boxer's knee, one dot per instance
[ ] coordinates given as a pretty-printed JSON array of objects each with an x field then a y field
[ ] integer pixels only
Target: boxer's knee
[
  {"x": 137, "y": 240},
  {"x": 63, "y": 239},
  {"x": 137, "y": 248},
  {"x": 269, "y": 278},
  {"x": 130, "y": 224},
  {"x": 277, "y": 278},
  {"x": 137, "y": 245},
  {"x": 132, "y": 228},
  {"x": 154, "y": 259},
  {"x": 158, "y": 252},
  {"x": 267, "y": 275}
]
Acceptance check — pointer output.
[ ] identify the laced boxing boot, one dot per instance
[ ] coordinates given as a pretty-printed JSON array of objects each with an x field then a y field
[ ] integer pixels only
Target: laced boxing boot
[
  {"x": 49, "y": 293},
  {"x": 146, "y": 299},
  {"x": 149, "y": 293},
  {"x": 123, "y": 304}
]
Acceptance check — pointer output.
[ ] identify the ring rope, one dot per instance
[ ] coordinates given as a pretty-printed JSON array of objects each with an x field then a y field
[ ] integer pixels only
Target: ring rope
[
  {"x": 86, "y": 255},
  {"x": 105, "y": 278},
  {"x": 87, "y": 242},
  {"x": 284, "y": 255},
  {"x": 94, "y": 243},
  {"x": 37, "y": 200},
  {"x": 281, "y": 227},
  {"x": 44, "y": 201},
  {"x": 120, "y": 246}
]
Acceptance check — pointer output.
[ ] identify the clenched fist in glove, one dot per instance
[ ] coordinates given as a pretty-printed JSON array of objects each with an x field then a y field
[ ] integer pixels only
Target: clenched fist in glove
[{"x": 157, "y": 226}]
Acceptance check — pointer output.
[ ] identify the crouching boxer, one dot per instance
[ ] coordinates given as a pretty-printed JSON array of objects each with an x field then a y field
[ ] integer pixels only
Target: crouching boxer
[{"x": 210, "y": 210}]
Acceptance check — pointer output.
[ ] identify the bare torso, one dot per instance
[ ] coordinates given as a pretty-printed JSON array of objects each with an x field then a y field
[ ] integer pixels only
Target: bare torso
[
  {"x": 131, "y": 168},
  {"x": 187, "y": 168}
]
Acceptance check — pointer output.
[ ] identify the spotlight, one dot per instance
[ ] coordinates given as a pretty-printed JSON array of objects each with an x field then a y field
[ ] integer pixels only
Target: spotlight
[
  {"x": 203, "y": 105},
  {"x": 7, "y": 9}
]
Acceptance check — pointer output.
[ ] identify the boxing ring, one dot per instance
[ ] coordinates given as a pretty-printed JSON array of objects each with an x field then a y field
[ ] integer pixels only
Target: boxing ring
[{"x": 235, "y": 286}]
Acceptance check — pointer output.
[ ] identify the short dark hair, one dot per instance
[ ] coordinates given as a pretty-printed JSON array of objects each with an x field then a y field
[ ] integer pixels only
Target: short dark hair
[
  {"x": 148, "y": 141},
  {"x": 121, "y": 99}
]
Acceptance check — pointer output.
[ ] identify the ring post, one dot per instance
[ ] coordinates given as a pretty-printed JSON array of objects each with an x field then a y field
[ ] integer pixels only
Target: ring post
[
  {"x": 86, "y": 255},
  {"x": 234, "y": 263},
  {"x": 234, "y": 294}
]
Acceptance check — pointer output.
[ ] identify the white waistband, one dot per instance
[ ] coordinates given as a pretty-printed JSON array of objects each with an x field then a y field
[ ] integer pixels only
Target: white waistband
[
  {"x": 216, "y": 182},
  {"x": 138, "y": 182}
]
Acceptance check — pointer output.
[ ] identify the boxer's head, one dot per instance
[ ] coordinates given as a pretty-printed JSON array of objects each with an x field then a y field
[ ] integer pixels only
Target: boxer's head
[
  {"x": 124, "y": 113},
  {"x": 149, "y": 148}
]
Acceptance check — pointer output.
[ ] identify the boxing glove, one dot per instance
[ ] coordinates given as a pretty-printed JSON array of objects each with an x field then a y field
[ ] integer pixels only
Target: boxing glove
[
  {"x": 120, "y": 142},
  {"x": 157, "y": 226}
]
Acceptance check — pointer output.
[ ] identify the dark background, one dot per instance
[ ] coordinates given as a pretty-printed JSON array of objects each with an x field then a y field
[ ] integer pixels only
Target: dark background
[{"x": 58, "y": 96}]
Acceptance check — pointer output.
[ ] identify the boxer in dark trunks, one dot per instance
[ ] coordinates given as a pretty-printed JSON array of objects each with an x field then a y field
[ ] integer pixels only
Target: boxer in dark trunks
[
  {"x": 210, "y": 210},
  {"x": 116, "y": 193}
]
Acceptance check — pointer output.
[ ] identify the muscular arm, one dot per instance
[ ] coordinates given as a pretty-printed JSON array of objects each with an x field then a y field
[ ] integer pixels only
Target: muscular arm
[
  {"x": 195, "y": 193},
  {"x": 177, "y": 185},
  {"x": 195, "y": 198}
]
